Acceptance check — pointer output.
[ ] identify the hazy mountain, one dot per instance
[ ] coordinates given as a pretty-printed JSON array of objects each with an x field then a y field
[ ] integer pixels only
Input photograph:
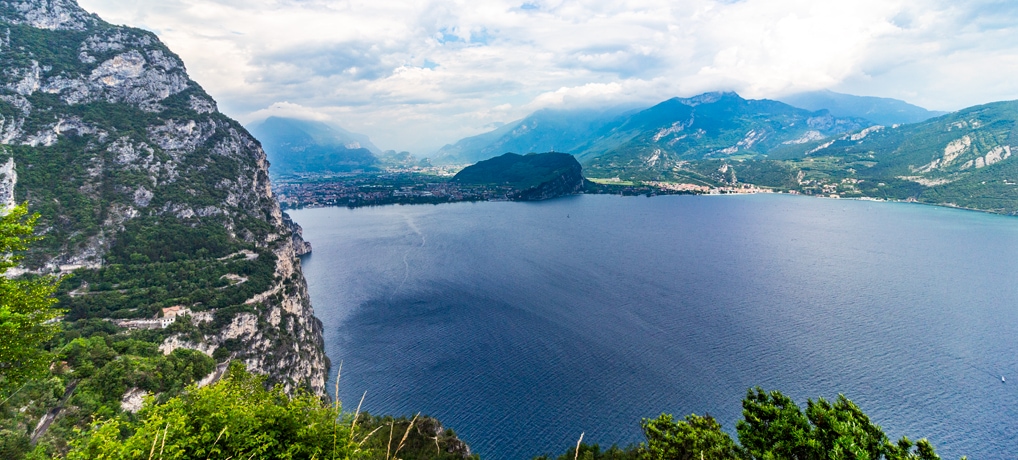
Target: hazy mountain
[
  {"x": 404, "y": 159},
  {"x": 654, "y": 142},
  {"x": 543, "y": 131},
  {"x": 879, "y": 110},
  {"x": 305, "y": 146}
]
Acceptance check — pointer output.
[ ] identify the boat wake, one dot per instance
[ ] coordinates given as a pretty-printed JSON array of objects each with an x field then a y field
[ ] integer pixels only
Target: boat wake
[{"x": 406, "y": 255}]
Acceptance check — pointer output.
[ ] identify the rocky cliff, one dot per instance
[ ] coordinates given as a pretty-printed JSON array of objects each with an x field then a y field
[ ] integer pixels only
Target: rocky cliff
[
  {"x": 300, "y": 247},
  {"x": 147, "y": 193}
]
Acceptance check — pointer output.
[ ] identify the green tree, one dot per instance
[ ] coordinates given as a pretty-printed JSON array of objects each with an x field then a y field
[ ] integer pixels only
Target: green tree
[
  {"x": 773, "y": 426},
  {"x": 594, "y": 452},
  {"x": 842, "y": 430},
  {"x": 26, "y": 313},
  {"x": 696, "y": 437},
  {"x": 902, "y": 450}
]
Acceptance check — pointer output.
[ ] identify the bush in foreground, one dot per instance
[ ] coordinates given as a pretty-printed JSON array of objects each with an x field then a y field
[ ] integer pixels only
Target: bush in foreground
[
  {"x": 239, "y": 418},
  {"x": 235, "y": 418}
]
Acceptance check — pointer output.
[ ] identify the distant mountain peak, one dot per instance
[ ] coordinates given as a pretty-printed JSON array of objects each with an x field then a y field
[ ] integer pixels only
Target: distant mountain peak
[{"x": 709, "y": 98}]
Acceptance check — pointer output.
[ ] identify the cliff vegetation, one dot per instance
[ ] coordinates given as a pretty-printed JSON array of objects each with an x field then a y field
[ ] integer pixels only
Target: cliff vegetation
[{"x": 155, "y": 213}]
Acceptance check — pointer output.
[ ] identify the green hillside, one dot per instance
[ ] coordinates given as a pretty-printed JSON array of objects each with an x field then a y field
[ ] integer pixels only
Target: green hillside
[
  {"x": 518, "y": 171},
  {"x": 534, "y": 176},
  {"x": 960, "y": 159},
  {"x": 650, "y": 142}
]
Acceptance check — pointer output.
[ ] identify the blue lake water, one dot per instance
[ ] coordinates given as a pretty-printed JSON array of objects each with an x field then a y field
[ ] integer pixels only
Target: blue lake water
[{"x": 521, "y": 325}]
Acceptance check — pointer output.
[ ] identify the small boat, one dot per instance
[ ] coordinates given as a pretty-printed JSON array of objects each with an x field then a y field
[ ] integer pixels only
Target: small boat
[{"x": 1002, "y": 379}]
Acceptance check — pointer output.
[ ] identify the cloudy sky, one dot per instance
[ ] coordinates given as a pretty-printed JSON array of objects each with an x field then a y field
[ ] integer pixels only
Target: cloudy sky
[{"x": 415, "y": 75}]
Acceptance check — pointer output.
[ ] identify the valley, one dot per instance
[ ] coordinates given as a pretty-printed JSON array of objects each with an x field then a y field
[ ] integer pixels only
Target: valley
[{"x": 722, "y": 143}]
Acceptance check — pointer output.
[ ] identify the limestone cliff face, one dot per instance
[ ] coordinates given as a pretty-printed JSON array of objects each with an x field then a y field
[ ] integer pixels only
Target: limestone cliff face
[
  {"x": 104, "y": 134},
  {"x": 300, "y": 246}
]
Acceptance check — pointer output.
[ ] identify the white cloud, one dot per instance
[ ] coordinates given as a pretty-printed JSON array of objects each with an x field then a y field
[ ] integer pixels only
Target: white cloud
[
  {"x": 416, "y": 75},
  {"x": 286, "y": 110}
]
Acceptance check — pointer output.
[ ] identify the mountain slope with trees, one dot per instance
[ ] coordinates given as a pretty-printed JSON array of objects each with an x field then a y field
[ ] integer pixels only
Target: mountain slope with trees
[
  {"x": 960, "y": 159},
  {"x": 657, "y": 141},
  {"x": 711, "y": 125},
  {"x": 530, "y": 177},
  {"x": 156, "y": 211}
]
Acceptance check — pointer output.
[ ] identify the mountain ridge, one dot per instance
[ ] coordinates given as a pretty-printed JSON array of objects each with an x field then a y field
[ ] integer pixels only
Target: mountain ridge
[
  {"x": 676, "y": 129},
  {"x": 546, "y": 130},
  {"x": 879, "y": 110},
  {"x": 651, "y": 144}
]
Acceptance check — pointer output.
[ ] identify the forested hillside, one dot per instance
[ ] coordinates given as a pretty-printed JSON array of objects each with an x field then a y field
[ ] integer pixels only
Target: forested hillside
[{"x": 155, "y": 211}]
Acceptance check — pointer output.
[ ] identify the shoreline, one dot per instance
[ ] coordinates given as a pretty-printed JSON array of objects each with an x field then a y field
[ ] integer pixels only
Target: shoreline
[{"x": 668, "y": 193}]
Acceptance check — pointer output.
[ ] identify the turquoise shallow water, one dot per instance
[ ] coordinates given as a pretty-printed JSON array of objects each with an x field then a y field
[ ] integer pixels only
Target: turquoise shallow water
[{"x": 521, "y": 325}]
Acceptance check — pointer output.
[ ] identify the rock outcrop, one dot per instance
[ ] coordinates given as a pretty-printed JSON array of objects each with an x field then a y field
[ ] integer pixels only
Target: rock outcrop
[{"x": 300, "y": 247}]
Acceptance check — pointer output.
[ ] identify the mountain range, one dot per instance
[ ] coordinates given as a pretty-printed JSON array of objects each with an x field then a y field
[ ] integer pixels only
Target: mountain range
[
  {"x": 709, "y": 125},
  {"x": 828, "y": 145},
  {"x": 831, "y": 144}
]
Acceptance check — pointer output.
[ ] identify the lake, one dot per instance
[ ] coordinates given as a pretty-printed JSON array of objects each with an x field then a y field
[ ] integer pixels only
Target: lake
[{"x": 521, "y": 325}]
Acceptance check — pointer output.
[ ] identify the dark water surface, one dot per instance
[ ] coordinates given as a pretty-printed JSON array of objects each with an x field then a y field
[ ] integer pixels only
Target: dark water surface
[{"x": 521, "y": 325}]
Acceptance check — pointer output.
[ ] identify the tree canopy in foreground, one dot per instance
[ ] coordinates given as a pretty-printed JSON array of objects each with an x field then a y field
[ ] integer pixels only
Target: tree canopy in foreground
[
  {"x": 26, "y": 303},
  {"x": 773, "y": 428}
]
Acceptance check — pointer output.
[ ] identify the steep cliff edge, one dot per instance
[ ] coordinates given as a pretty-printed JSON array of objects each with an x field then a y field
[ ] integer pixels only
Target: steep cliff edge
[
  {"x": 150, "y": 198},
  {"x": 300, "y": 246}
]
